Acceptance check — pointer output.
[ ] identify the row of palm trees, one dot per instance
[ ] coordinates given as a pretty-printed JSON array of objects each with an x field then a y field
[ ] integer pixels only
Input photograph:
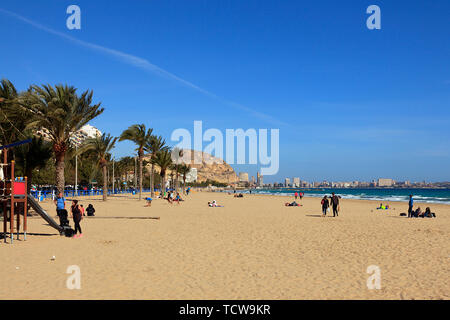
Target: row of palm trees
[{"x": 61, "y": 112}]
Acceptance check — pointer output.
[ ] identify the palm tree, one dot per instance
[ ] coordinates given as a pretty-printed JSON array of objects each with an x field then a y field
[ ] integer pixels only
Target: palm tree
[
  {"x": 163, "y": 159},
  {"x": 124, "y": 166},
  {"x": 100, "y": 148},
  {"x": 12, "y": 121},
  {"x": 139, "y": 135},
  {"x": 184, "y": 170},
  {"x": 33, "y": 156},
  {"x": 153, "y": 146},
  {"x": 60, "y": 111}
]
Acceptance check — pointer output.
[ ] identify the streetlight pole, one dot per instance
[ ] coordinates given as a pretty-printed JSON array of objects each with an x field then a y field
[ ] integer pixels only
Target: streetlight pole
[
  {"x": 135, "y": 178},
  {"x": 113, "y": 177},
  {"x": 76, "y": 169}
]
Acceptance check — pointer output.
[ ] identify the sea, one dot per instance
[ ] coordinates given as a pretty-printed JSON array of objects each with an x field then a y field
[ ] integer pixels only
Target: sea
[{"x": 385, "y": 194}]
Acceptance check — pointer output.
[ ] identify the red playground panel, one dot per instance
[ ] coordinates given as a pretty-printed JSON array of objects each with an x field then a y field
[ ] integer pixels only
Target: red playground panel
[{"x": 20, "y": 188}]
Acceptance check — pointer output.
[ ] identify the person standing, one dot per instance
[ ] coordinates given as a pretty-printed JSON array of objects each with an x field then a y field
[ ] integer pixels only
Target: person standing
[
  {"x": 410, "y": 207},
  {"x": 335, "y": 204},
  {"x": 325, "y": 205},
  {"x": 61, "y": 212},
  {"x": 296, "y": 195},
  {"x": 76, "y": 215}
]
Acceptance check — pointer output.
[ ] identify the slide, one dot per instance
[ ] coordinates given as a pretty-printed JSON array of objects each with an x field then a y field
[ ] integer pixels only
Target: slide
[{"x": 35, "y": 205}]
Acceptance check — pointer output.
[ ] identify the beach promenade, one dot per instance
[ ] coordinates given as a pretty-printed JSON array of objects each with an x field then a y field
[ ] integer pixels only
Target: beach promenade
[{"x": 252, "y": 248}]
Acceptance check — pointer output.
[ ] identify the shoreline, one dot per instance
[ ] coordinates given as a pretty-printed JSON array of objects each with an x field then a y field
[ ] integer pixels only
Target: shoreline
[{"x": 284, "y": 195}]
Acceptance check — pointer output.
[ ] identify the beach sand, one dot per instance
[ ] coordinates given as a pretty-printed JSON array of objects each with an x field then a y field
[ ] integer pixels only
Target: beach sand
[{"x": 253, "y": 248}]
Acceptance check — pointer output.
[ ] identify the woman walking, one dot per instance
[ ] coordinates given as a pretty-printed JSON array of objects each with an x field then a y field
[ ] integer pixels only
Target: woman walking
[
  {"x": 325, "y": 205},
  {"x": 77, "y": 216}
]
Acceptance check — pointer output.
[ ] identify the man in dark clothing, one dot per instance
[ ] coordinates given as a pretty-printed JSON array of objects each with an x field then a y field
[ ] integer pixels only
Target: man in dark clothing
[
  {"x": 335, "y": 204},
  {"x": 410, "y": 208}
]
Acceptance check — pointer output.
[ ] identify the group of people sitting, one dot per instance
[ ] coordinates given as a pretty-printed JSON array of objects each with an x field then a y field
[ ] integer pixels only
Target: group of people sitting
[
  {"x": 171, "y": 199},
  {"x": 240, "y": 195},
  {"x": 419, "y": 214},
  {"x": 383, "y": 207}
]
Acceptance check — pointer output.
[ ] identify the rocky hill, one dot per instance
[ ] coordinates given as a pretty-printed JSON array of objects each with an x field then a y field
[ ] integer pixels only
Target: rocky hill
[{"x": 209, "y": 167}]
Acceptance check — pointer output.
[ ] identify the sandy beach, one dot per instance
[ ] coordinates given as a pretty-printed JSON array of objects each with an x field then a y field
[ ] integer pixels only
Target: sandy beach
[{"x": 253, "y": 248}]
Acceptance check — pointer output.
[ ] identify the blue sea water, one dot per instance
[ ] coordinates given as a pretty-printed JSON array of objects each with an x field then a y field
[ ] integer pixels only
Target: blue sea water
[{"x": 419, "y": 195}]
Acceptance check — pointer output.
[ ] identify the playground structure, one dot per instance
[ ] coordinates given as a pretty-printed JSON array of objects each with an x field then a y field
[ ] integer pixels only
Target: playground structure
[
  {"x": 13, "y": 192},
  {"x": 14, "y": 196}
]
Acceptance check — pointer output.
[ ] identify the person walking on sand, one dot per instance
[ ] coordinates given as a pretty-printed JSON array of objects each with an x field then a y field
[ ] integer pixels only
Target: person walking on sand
[
  {"x": 335, "y": 204},
  {"x": 296, "y": 195},
  {"x": 325, "y": 205},
  {"x": 410, "y": 207},
  {"x": 76, "y": 215}
]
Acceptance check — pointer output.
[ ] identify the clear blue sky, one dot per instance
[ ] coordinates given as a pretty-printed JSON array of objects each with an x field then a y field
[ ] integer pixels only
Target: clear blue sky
[{"x": 356, "y": 104}]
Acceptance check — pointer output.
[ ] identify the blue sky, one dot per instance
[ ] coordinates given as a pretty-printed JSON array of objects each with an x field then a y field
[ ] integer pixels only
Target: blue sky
[{"x": 350, "y": 103}]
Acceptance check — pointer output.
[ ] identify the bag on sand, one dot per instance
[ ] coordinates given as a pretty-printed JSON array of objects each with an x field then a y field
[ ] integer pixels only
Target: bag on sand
[
  {"x": 328, "y": 210},
  {"x": 69, "y": 232}
]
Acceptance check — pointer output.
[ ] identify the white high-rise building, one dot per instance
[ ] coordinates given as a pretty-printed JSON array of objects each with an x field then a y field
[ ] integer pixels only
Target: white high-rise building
[
  {"x": 385, "y": 182},
  {"x": 287, "y": 182},
  {"x": 296, "y": 182},
  {"x": 243, "y": 177}
]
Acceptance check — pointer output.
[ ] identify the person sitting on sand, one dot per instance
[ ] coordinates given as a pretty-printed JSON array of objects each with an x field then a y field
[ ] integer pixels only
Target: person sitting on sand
[
  {"x": 213, "y": 204},
  {"x": 178, "y": 198},
  {"x": 292, "y": 204},
  {"x": 90, "y": 210},
  {"x": 169, "y": 198},
  {"x": 383, "y": 207},
  {"x": 428, "y": 213},
  {"x": 240, "y": 195},
  {"x": 149, "y": 202},
  {"x": 417, "y": 213},
  {"x": 325, "y": 205}
]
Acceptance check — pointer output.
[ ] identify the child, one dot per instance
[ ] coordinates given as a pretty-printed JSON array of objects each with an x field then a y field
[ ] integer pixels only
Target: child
[
  {"x": 82, "y": 210},
  {"x": 149, "y": 202},
  {"x": 76, "y": 215}
]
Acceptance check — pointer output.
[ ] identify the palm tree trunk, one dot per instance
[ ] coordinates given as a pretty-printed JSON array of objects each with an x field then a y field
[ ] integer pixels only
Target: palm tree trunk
[
  {"x": 140, "y": 177},
  {"x": 60, "y": 165},
  {"x": 163, "y": 185},
  {"x": 152, "y": 183},
  {"x": 105, "y": 184}
]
